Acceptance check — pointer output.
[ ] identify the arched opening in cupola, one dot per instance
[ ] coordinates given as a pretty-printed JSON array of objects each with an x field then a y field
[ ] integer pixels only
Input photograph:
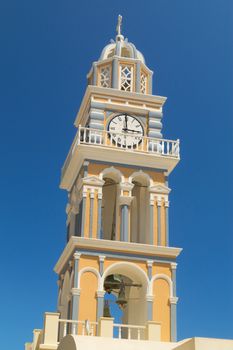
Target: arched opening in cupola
[{"x": 140, "y": 209}]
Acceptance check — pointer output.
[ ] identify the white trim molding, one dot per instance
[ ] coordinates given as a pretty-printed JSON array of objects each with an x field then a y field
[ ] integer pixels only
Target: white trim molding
[
  {"x": 164, "y": 277},
  {"x": 89, "y": 269}
]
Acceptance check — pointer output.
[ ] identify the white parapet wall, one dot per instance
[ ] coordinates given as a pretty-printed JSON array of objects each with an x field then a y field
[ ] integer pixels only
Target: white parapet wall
[{"x": 71, "y": 342}]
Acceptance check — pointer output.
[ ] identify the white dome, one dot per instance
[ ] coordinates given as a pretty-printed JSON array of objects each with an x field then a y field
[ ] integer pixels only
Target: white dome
[{"x": 121, "y": 47}]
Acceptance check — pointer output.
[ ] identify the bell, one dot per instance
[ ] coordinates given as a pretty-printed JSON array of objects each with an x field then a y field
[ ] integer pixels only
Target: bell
[
  {"x": 121, "y": 300},
  {"x": 112, "y": 282},
  {"x": 106, "y": 312}
]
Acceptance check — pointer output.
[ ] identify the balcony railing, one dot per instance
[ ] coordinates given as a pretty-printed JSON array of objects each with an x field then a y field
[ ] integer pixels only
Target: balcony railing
[
  {"x": 55, "y": 329},
  {"x": 124, "y": 142}
]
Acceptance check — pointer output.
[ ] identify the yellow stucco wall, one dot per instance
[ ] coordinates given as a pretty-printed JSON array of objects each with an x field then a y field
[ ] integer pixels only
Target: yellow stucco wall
[
  {"x": 155, "y": 223},
  {"x": 161, "y": 269},
  {"x": 87, "y": 215},
  {"x": 161, "y": 307},
  {"x": 163, "y": 225},
  {"x": 88, "y": 302},
  {"x": 89, "y": 261},
  {"x": 95, "y": 216}
]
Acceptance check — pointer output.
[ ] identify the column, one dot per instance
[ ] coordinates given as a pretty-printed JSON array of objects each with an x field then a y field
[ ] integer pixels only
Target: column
[
  {"x": 100, "y": 303},
  {"x": 115, "y": 77},
  {"x": 173, "y": 303},
  {"x": 124, "y": 222},
  {"x": 83, "y": 211},
  {"x": 149, "y": 300},
  {"x": 125, "y": 202},
  {"x": 159, "y": 203},
  {"x": 94, "y": 74},
  {"x": 92, "y": 196},
  {"x": 151, "y": 237},
  {"x": 101, "y": 264},
  {"x": 99, "y": 222},
  {"x": 75, "y": 291},
  {"x": 167, "y": 223},
  {"x": 138, "y": 77}
]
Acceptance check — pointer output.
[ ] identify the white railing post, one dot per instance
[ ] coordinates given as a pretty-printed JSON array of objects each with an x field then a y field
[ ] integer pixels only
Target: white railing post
[
  {"x": 64, "y": 329},
  {"x": 139, "y": 334},
  {"x": 105, "y": 327},
  {"x": 119, "y": 332},
  {"x": 129, "y": 333},
  {"x": 51, "y": 327},
  {"x": 153, "y": 331}
]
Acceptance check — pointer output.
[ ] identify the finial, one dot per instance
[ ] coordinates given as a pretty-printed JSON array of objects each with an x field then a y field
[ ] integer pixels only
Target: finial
[{"x": 119, "y": 23}]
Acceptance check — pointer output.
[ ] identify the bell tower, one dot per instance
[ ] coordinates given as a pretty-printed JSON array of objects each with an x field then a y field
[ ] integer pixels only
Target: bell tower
[{"x": 117, "y": 261}]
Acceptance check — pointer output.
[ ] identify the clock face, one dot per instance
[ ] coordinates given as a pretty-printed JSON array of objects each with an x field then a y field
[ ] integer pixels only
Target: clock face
[{"x": 125, "y": 130}]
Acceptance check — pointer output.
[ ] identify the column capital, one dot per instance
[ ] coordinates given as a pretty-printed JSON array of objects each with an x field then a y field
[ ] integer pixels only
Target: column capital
[
  {"x": 102, "y": 258},
  {"x": 100, "y": 194},
  {"x": 125, "y": 200},
  {"x": 92, "y": 194},
  {"x": 77, "y": 256},
  {"x": 159, "y": 201},
  {"x": 167, "y": 204},
  {"x": 174, "y": 266},
  {"x": 75, "y": 291},
  {"x": 100, "y": 293},
  {"x": 149, "y": 298},
  {"x": 149, "y": 263},
  {"x": 173, "y": 300}
]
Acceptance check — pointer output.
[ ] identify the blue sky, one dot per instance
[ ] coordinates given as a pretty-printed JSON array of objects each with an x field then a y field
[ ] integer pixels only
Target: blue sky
[{"x": 47, "y": 48}]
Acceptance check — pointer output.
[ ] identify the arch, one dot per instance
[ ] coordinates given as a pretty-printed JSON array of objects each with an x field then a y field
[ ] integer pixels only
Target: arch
[
  {"x": 89, "y": 269},
  {"x": 164, "y": 277},
  {"x": 112, "y": 173},
  {"x": 136, "y": 310},
  {"x": 140, "y": 210},
  {"x": 142, "y": 177},
  {"x": 128, "y": 269}
]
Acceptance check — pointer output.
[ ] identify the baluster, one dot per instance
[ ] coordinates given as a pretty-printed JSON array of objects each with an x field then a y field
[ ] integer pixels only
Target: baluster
[
  {"x": 84, "y": 135},
  {"x": 129, "y": 333},
  {"x": 119, "y": 335},
  {"x": 65, "y": 329},
  {"x": 83, "y": 329},
  {"x": 73, "y": 328},
  {"x": 173, "y": 149},
  {"x": 168, "y": 147},
  {"x": 162, "y": 147},
  {"x": 105, "y": 138},
  {"x": 92, "y": 330},
  {"x": 139, "y": 334}
]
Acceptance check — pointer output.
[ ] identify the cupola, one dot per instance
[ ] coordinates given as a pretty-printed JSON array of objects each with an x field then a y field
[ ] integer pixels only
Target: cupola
[{"x": 121, "y": 66}]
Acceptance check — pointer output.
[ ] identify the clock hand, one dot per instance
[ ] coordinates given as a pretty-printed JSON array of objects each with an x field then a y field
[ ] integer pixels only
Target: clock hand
[
  {"x": 138, "y": 132},
  {"x": 126, "y": 121}
]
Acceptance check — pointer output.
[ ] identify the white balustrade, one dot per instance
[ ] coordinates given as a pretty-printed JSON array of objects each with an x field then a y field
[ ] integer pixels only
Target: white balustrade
[
  {"x": 141, "y": 144},
  {"x": 130, "y": 334},
  {"x": 71, "y": 327}
]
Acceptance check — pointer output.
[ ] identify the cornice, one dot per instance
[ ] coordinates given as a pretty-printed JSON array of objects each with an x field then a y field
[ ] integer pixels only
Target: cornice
[
  {"x": 106, "y": 246},
  {"x": 108, "y": 93}
]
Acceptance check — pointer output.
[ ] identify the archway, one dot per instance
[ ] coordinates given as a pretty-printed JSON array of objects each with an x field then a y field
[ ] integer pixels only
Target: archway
[
  {"x": 140, "y": 208},
  {"x": 135, "y": 312}
]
